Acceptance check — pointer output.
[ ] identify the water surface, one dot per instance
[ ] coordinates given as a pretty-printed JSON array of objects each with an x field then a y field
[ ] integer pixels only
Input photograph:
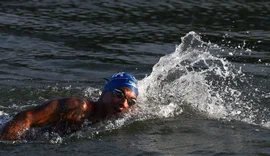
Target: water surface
[{"x": 203, "y": 70}]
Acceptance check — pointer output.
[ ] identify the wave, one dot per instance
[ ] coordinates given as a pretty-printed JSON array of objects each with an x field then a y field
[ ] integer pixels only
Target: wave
[{"x": 195, "y": 78}]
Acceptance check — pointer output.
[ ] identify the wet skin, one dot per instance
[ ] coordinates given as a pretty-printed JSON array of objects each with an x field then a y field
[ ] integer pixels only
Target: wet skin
[{"x": 67, "y": 113}]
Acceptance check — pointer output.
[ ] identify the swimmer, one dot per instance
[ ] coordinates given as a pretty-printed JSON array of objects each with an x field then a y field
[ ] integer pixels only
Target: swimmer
[{"x": 119, "y": 94}]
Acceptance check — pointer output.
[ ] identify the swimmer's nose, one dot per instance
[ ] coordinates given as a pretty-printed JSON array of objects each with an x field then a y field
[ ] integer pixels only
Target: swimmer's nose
[{"x": 123, "y": 103}]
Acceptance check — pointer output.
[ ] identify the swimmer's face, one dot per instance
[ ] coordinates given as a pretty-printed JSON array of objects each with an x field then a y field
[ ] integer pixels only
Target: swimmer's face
[
  {"x": 123, "y": 98},
  {"x": 120, "y": 99}
]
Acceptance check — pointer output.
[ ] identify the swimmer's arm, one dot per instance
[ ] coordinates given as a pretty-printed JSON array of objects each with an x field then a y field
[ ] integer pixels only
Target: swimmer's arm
[
  {"x": 16, "y": 127},
  {"x": 46, "y": 114}
]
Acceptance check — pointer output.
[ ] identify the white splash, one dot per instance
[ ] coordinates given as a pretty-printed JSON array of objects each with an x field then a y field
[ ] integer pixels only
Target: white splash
[
  {"x": 195, "y": 77},
  {"x": 4, "y": 117}
]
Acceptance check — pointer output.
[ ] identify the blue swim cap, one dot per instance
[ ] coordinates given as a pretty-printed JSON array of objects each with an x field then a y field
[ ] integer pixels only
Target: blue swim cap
[{"x": 122, "y": 79}]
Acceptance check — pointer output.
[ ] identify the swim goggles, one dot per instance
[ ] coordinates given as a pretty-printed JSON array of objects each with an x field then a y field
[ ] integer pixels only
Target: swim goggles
[{"x": 121, "y": 95}]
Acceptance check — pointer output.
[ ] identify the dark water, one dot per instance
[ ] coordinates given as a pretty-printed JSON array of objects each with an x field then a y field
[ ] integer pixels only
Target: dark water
[{"x": 203, "y": 66}]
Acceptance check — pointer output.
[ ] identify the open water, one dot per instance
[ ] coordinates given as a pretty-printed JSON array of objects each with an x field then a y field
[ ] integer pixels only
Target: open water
[{"x": 203, "y": 68}]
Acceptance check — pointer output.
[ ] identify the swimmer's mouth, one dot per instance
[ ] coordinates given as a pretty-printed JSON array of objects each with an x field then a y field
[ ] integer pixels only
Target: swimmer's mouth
[{"x": 117, "y": 109}]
